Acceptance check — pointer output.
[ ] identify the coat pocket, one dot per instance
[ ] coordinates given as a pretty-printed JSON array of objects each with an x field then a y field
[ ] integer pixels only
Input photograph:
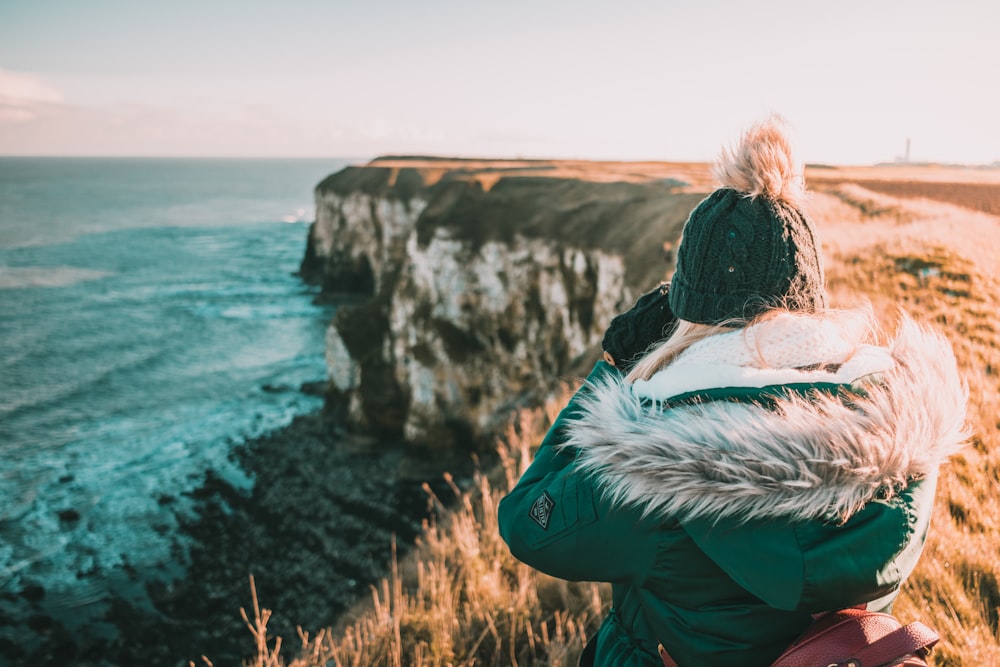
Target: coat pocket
[{"x": 560, "y": 508}]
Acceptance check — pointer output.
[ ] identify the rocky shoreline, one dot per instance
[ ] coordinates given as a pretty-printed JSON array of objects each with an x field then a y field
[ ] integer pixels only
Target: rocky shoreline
[{"x": 315, "y": 530}]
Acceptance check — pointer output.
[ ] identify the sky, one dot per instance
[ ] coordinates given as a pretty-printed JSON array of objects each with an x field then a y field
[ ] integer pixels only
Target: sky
[{"x": 626, "y": 80}]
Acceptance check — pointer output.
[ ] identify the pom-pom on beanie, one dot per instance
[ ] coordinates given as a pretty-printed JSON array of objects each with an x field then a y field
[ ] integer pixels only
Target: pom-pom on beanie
[{"x": 748, "y": 247}]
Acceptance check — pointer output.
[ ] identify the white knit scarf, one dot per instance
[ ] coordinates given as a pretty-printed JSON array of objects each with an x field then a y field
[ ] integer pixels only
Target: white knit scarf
[{"x": 788, "y": 348}]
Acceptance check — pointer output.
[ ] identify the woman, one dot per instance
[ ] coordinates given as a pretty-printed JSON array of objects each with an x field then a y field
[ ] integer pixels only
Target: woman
[{"x": 764, "y": 462}]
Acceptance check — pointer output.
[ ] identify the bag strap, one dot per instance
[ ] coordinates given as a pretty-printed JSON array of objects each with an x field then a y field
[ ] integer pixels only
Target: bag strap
[
  {"x": 665, "y": 657},
  {"x": 911, "y": 638}
]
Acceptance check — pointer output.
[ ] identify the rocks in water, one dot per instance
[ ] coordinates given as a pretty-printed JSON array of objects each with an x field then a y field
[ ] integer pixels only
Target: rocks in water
[
  {"x": 315, "y": 530},
  {"x": 317, "y": 388},
  {"x": 33, "y": 592},
  {"x": 69, "y": 515}
]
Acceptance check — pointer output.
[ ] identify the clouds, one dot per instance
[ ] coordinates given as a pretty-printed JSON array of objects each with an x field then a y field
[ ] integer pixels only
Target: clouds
[
  {"x": 35, "y": 119},
  {"x": 24, "y": 97}
]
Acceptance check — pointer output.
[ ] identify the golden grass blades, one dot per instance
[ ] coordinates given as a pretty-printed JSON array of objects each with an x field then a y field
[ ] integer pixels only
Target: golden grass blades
[{"x": 460, "y": 598}]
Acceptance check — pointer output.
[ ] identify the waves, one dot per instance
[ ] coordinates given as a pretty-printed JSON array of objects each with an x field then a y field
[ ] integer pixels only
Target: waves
[
  {"x": 132, "y": 362},
  {"x": 46, "y": 276},
  {"x": 150, "y": 321}
]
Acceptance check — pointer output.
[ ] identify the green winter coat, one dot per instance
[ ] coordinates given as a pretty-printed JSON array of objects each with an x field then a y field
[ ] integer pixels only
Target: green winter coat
[{"x": 725, "y": 516}]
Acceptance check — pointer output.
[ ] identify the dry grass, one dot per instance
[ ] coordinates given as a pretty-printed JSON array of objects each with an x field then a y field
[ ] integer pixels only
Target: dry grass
[
  {"x": 936, "y": 262},
  {"x": 460, "y": 598},
  {"x": 488, "y": 172}
]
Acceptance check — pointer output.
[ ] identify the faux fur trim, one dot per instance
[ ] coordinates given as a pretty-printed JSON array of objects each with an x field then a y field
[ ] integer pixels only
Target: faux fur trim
[
  {"x": 803, "y": 458},
  {"x": 763, "y": 164}
]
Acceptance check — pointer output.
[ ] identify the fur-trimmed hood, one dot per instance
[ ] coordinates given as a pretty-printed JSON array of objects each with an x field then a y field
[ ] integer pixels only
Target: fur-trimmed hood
[{"x": 813, "y": 455}]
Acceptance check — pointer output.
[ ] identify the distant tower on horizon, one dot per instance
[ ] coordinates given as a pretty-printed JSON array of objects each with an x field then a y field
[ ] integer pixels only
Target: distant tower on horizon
[{"x": 905, "y": 157}]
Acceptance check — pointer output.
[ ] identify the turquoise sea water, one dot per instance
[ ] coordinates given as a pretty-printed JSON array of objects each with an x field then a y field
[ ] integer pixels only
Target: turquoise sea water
[{"x": 150, "y": 318}]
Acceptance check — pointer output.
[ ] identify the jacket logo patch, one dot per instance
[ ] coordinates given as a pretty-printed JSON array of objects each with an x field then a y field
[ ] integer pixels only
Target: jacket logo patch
[{"x": 541, "y": 510}]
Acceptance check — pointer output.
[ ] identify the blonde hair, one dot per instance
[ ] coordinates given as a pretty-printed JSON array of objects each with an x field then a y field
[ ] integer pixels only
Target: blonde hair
[{"x": 685, "y": 335}]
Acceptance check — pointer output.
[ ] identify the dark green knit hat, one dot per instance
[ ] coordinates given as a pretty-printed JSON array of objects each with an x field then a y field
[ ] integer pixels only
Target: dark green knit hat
[{"x": 748, "y": 247}]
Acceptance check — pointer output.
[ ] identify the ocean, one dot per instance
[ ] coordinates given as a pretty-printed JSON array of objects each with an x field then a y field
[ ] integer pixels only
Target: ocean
[{"x": 151, "y": 319}]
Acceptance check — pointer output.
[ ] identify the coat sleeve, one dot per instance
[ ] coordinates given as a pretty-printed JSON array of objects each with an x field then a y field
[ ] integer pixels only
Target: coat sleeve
[{"x": 557, "y": 521}]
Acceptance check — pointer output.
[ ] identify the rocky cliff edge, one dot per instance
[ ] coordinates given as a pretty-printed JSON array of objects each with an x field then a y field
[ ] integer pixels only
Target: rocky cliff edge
[{"x": 468, "y": 287}]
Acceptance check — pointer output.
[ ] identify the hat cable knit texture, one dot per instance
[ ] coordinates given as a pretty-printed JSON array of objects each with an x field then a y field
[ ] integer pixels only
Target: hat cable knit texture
[{"x": 749, "y": 247}]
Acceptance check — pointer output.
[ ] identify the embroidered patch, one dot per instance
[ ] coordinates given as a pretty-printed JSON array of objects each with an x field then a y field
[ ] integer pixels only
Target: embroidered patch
[{"x": 541, "y": 510}]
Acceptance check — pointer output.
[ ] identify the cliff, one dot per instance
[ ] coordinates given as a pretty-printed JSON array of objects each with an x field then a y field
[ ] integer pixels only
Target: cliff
[{"x": 467, "y": 287}]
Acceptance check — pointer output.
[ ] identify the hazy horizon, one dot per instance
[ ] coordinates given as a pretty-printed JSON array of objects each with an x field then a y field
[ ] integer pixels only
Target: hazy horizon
[
  {"x": 485, "y": 158},
  {"x": 858, "y": 82}
]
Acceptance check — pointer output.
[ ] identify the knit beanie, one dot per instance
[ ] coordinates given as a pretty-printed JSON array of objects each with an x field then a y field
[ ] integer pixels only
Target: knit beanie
[{"x": 748, "y": 247}]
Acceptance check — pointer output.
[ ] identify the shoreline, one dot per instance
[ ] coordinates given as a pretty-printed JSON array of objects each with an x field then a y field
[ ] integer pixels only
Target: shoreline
[{"x": 315, "y": 530}]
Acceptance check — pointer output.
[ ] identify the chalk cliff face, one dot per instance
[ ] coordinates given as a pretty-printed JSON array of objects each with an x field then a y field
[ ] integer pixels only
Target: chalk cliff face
[{"x": 462, "y": 294}]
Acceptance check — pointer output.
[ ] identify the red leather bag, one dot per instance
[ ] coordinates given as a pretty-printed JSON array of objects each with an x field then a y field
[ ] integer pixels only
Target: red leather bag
[
  {"x": 859, "y": 638},
  {"x": 854, "y": 638}
]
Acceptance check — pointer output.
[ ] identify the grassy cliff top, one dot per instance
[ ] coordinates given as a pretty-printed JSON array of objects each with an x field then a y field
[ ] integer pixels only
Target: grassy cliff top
[
  {"x": 428, "y": 171},
  {"x": 634, "y": 209}
]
